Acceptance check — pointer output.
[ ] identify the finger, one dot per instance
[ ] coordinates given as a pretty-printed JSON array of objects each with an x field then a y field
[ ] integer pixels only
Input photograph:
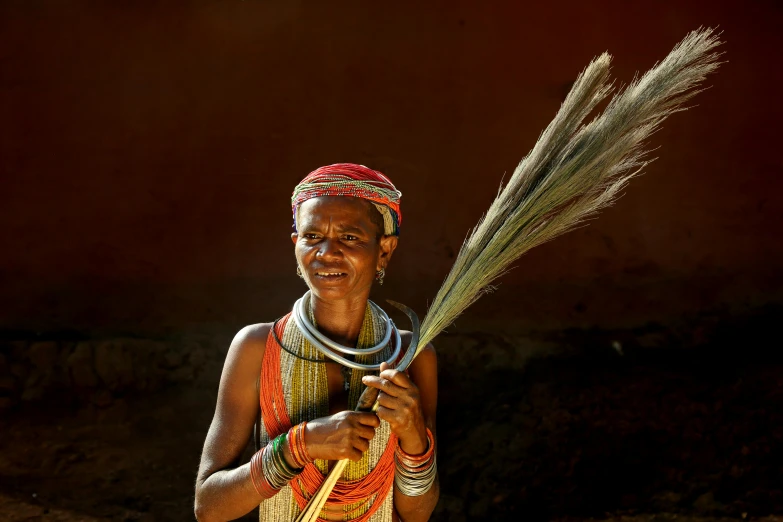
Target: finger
[
  {"x": 366, "y": 432},
  {"x": 385, "y": 385},
  {"x": 361, "y": 444},
  {"x": 389, "y": 402},
  {"x": 387, "y": 414},
  {"x": 372, "y": 381},
  {"x": 384, "y": 366},
  {"x": 368, "y": 419},
  {"x": 399, "y": 378},
  {"x": 355, "y": 455}
]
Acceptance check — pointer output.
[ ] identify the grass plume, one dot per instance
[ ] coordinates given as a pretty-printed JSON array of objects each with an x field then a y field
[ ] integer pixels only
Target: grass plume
[{"x": 574, "y": 170}]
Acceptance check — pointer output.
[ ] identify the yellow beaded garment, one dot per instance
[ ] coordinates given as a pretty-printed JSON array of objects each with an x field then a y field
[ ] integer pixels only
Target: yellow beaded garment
[{"x": 307, "y": 398}]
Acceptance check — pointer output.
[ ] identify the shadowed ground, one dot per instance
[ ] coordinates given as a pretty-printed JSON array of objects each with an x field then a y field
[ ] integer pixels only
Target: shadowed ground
[{"x": 650, "y": 435}]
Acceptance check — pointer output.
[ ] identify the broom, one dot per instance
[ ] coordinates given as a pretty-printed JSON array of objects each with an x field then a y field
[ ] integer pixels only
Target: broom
[{"x": 573, "y": 171}]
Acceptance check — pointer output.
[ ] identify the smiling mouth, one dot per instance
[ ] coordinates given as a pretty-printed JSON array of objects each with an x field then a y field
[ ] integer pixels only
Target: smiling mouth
[{"x": 330, "y": 275}]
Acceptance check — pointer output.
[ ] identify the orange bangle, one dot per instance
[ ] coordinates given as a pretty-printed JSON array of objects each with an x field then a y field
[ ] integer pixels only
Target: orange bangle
[
  {"x": 417, "y": 460},
  {"x": 302, "y": 446},
  {"x": 293, "y": 447},
  {"x": 297, "y": 446}
]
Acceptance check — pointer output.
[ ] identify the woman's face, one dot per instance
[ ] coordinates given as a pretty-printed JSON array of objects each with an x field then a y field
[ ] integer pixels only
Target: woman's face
[{"x": 339, "y": 246}]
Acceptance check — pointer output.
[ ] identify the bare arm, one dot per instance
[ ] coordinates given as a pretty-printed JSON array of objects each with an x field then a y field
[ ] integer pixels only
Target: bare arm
[
  {"x": 409, "y": 405},
  {"x": 223, "y": 490}
]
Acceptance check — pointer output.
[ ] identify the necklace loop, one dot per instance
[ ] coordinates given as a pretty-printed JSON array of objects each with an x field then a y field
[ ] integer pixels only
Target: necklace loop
[
  {"x": 323, "y": 343},
  {"x": 302, "y": 317}
]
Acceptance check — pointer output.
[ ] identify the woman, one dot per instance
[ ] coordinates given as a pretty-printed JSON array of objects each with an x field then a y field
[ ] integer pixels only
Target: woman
[{"x": 283, "y": 382}]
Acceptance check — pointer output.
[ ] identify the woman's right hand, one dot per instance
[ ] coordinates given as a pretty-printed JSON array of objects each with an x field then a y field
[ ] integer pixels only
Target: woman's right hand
[{"x": 344, "y": 435}]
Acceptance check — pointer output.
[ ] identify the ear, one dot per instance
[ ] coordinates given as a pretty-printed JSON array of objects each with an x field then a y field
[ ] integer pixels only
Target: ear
[
  {"x": 294, "y": 237},
  {"x": 388, "y": 244}
]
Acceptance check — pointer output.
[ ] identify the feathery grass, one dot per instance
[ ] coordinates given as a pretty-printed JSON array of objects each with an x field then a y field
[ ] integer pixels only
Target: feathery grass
[{"x": 573, "y": 171}]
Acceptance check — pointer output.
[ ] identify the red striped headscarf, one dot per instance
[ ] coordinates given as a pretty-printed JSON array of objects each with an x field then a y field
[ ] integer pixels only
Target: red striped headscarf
[{"x": 349, "y": 179}]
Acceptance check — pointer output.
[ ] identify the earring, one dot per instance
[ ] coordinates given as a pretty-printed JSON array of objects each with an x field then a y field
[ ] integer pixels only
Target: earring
[
  {"x": 299, "y": 271},
  {"x": 379, "y": 275}
]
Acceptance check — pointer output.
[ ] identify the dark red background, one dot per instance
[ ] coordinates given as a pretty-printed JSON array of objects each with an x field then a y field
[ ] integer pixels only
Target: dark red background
[{"x": 148, "y": 151}]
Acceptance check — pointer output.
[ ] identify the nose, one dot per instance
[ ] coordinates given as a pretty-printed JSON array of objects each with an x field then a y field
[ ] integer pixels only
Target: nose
[{"x": 329, "y": 249}]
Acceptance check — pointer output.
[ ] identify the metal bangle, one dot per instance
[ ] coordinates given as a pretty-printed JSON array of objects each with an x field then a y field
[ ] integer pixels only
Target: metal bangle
[
  {"x": 276, "y": 470},
  {"x": 414, "y": 484}
]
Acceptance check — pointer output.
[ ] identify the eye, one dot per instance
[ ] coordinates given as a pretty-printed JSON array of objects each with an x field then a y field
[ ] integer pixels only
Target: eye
[
  {"x": 310, "y": 235},
  {"x": 349, "y": 237}
]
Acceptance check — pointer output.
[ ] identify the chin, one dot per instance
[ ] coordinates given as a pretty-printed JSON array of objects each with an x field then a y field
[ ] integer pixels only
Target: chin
[{"x": 329, "y": 291}]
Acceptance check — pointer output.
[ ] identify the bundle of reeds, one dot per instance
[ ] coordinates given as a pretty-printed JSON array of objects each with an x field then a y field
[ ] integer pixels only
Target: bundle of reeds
[{"x": 574, "y": 170}]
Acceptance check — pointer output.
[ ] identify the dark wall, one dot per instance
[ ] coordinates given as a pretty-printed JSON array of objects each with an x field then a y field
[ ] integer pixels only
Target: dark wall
[{"x": 148, "y": 151}]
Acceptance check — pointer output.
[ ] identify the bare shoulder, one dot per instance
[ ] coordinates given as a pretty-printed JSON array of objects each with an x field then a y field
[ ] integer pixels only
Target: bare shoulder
[
  {"x": 252, "y": 335},
  {"x": 246, "y": 352}
]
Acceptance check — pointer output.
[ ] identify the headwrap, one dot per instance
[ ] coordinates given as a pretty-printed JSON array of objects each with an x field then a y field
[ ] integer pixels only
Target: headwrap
[{"x": 349, "y": 179}]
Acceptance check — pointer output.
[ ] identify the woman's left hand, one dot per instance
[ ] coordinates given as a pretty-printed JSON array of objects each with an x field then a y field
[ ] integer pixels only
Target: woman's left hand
[{"x": 399, "y": 404}]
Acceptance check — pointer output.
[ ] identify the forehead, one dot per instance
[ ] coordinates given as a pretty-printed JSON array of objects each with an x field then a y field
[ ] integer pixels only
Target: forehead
[{"x": 342, "y": 210}]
